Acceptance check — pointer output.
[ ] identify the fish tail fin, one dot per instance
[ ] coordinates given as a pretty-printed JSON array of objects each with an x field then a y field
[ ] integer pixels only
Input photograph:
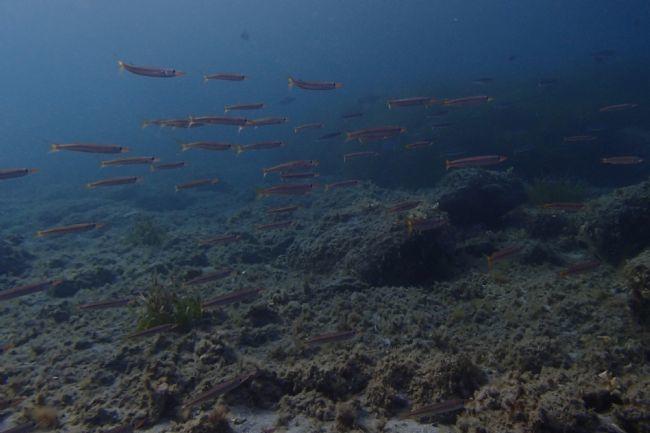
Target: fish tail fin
[
  {"x": 240, "y": 129},
  {"x": 295, "y": 130},
  {"x": 265, "y": 172},
  {"x": 226, "y": 109},
  {"x": 291, "y": 83},
  {"x": 176, "y": 188},
  {"x": 40, "y": 234},
  {"x": 90, "y": 186},
  {"x": 54, "y": 148},
  {"x": 205, "y": 79},
  {"x": 447, "y": 164},
  {"x": 185, "y": 146},
  {"x": 121, "y": 66},
  {"x": 144, "y": 124},
  {"x": 239, "y": 149},
  {"x": 214, "y": 181}
]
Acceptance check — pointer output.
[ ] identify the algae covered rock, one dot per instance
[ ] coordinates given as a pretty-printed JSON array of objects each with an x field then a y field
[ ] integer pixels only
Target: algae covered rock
[
  {"x": 637, "y": 274},
  {"x": 474, "y": 196},
  {"x": 372, "y": 249},
  {"x": 618, "y": 224}
]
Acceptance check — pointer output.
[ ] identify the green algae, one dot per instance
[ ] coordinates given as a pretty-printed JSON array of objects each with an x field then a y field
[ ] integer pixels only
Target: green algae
[{"x": 163, "y": 305}]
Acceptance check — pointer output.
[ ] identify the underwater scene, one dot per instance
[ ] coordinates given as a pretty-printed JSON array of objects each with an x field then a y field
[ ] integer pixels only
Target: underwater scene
[{"x": 284, "y": 216}]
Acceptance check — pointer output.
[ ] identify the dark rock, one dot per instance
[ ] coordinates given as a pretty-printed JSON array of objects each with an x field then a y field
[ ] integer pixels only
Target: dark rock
[
  {"x": 13, "y": 260},
  {"x": 372, "y": 249},
  {"x": 59, "y": 313},
  {"x": 91, "y": 279},
  {"x": 261, "y": 315},
  {"x": 475, "y": 196},
  {"x": 618, "y": 224}
]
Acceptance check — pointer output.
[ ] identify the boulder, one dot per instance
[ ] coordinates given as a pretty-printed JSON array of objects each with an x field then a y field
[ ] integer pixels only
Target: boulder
[{"x": 476, "y": 196}]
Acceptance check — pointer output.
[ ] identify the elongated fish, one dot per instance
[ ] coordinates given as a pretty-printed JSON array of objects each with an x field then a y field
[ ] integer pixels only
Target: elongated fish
[
  {"x": 12, "y": 173},
  {"x": 475, "y": 161},
  {"x": 468, "y": 100},
  {"x": 219, "y": 240},
  {"x": 617, "y": 107},
  {"x": 135, "y": 160},
  {"x": 330, "y": 337},
  {"x": 89, "y": 148},
  {"x": 301, "y": 175},
  {"x": 262, "y": 145},
  {"x": 206, "y": 145},
  {"x": 436, "y": 409},
  {"x": 28, "y": 289},
  {"x": 330, "y": 135},
  {"x": 580, "y": 267},
  {"x": 349, "y": 156},
  {"x": 418, "y": 144},
  {"x": 287, "y": 189},
  {"x": 196, "y": 183},
  {"x": 342, "y": 184},
  {"x": 411, "y": 102},
  {"x": 209, "y": 277},
  {"x": 231, "y": 297},
  {"x": 274, "y": 226},
  {"x": 235, "y": 107},
  {"x": 424, "y": 224},
  {"x": 281, "y": 210},
  {"x": 115, "y": 181},
  {"x": 224, "y": 76},
  {"x": 291, "y": 165},
  {"x": 222, "y": 388},
  {"x": 622, "y": 160},
  {"x": 404, "y": 206},
  {"x": 314, "y": 85},
  {"x": 305, "y": 126},
  {"x": 75, "y": 228},
  {"x": 149, "y": 71},
  {"x": 502, "y": 254},
  {"x": 168, "y": 166},
  {"x": 218, "y": 120},
  {"x": 380, "y": 132},
  {"x": 265, "y": 121}
]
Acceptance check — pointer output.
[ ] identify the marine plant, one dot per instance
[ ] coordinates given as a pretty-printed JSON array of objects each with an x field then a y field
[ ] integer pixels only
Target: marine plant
[
  {"x": 146, "y": 232},
  {"x": 164, "y": 305},
  {"x": 543, "y": 190}
]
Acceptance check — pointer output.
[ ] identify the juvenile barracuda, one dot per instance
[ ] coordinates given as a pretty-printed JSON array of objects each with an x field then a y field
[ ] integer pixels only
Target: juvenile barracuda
[
  {"x": 168, "y": 166},
  {"x": 502, "y": 254},
  {"x": 262, "y": 145},
  {"x": 231, "y": 297},
  {"x": 475, "y": 161},
  {"x": 287, "y": 189},
  {"x": 115, "y": 181},
  {"x": 411, "y": 102},
  {"x": 89, "y": 148},
  {"x": 580, "y": 267},
  {"x": 274, "y": 226},
  {"x": 150, "y": 71},
  {"x": 404, "y": 206},
  {"x": 219, "y": 240},
  {"x": 436, "y": 409},
  {"x": 342, "y": 184},
  {"x": 167, "y": 327},
  {"x": 305, "y": 126},
  {"x": 291, "y": 165},
  {"x": 314, "y": 85},
  {"x": 622, "y": 160},
  {"x": 302, "y": 175},
  {"x": 381, "y": 132},
  {"x": 224, "y": 76},
  {"x": 618, "y": 107},
  {"x": 330, "y": 337},
  {"x": 218, "y": 120},
  {"x": 209, "y": 277},
  {"x": 418, "y": 144},
  {"x": 330, "y": 135},
  {"x": 281, "y": 210},
  {"x": 265, "y": 121},
  {"x": 75, "y": 228},
  {"x": 106, "y": 304},
  {"x": 571, "y": 207},
  {"x": 206, "y": 145},
  {"x": 12, "y": 173},
  {"x": 172, "y": 123},
  {"x": 222, "y": 388},
  {"x": 235, "y": 107},
  {"x": 196, "y": 184},
  {"x": 579, "y": 138},
  {"x": 135, "y": 160},
  {"x": 28, "y": 289},
  {"x": 468, "y": 100},
  {"x": 349, "y": 156}
]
